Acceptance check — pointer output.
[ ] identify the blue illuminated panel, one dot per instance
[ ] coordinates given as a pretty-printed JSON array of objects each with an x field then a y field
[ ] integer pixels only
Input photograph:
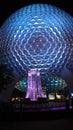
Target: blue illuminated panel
[
  {"x": 37, "y": 36},
  {"x": 54, "y": 83},
  {"x": 22, "y": 85}
]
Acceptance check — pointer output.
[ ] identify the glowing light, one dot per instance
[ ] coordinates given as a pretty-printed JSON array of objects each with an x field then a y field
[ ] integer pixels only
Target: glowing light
[
  {"x": 51, "y": 97},
  {"x": 40, "y": 36},
  {"x": 72, "y": 94},
  {"x": 34, "y": 85},
  {"x": 58, "y": 96},
  {"x": 22, "y": 85},
  {"x": 53, "y": 83}
]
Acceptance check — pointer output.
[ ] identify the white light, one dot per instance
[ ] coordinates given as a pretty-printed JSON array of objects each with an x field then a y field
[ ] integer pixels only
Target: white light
[{"x": 72, "y": 94}]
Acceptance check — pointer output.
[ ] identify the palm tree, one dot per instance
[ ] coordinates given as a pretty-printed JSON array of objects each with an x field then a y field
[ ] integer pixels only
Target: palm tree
[{"x": 6, "y": 76}]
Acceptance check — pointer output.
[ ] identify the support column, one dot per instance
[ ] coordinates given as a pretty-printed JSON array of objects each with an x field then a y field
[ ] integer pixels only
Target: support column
[{"x": 34, "y": 85}]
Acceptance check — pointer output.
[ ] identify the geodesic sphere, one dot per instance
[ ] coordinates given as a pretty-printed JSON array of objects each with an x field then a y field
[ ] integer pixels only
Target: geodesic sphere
[{"x": 37, "y": 36}]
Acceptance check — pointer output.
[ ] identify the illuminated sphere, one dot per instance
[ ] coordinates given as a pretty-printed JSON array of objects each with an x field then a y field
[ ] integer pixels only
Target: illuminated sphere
[{"x": 37, "y": 36}]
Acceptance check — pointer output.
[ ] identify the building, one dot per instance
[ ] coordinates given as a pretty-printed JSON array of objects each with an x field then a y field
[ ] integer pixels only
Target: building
[{"x": 41, "y": 40}]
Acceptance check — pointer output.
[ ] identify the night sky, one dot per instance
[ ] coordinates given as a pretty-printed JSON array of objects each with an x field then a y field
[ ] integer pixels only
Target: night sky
[{"x": 7, "y": 7}]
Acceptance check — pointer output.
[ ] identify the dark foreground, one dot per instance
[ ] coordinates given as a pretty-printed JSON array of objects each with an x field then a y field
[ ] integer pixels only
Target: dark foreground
[
  {"x": 11, "y": 114},
  {"x": 51, "y": 118}
]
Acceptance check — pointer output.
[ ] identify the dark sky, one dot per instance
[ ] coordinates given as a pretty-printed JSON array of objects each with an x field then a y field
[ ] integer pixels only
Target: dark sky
[{"x": 7, "y": 7}]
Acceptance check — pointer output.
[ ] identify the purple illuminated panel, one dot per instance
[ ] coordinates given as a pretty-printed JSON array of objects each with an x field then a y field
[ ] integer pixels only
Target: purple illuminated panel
[{"x": 34, "y": 85}]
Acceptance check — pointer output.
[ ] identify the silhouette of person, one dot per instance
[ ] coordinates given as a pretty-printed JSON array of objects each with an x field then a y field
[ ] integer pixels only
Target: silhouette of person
[
  {"x": 72, "y": 102},
  {"x": 67, "y": 103}
]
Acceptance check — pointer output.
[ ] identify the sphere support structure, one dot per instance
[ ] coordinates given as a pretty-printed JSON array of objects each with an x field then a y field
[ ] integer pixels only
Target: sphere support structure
[{"x": 34, "y": 85}]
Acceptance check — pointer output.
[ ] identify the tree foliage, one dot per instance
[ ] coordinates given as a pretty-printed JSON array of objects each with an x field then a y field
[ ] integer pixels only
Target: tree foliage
[{"x": 6, "y": 76}]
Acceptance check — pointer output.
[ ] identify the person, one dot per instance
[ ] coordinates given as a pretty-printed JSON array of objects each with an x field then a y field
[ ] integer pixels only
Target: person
[
  {"x": 72, "y": 102},
  {"x": 67, "y": 104}
]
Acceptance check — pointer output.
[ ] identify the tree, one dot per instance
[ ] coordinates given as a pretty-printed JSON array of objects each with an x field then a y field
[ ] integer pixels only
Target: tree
[
  {"x": 65, "y": 91},
  {"x": 6, "y": 76}
]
